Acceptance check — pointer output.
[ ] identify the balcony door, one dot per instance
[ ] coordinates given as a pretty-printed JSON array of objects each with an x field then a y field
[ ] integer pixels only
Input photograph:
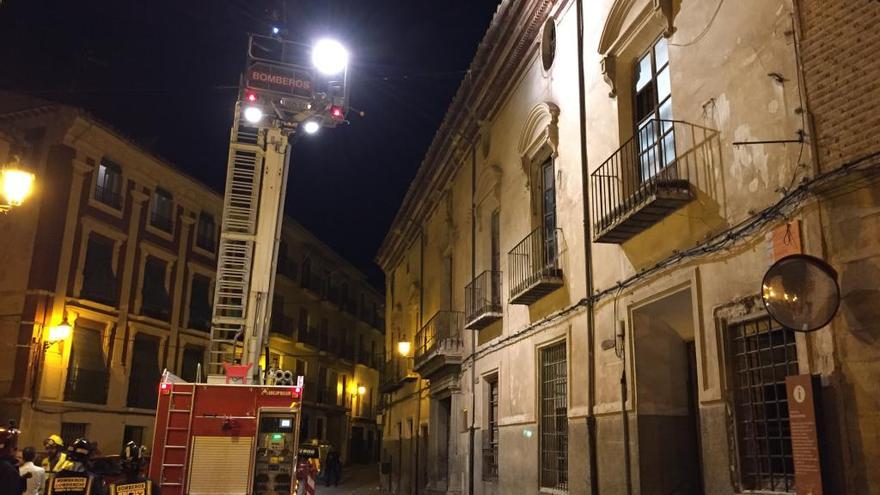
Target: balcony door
[
  {"x": 548, "y": 212},
  {"x": 653, "y": 111}
]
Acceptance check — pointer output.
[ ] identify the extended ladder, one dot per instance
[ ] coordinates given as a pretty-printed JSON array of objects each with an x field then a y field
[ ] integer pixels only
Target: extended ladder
[
  {"x": 235, "y": 253},
  {"x": 253, "y": 207},
  {"x": 178, "y": 421}
]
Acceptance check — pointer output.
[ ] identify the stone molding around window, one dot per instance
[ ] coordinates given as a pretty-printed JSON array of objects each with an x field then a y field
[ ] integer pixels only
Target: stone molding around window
[
  {"x": 149, "y": 249},
  {"x": 626, "y": 21},
  {"x": 89, "y": 225}
]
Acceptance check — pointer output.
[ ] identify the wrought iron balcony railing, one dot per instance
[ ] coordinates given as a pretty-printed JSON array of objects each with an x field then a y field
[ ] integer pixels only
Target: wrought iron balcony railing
[
  {"x": 313, "y": 283},
  {"x": 162, "y": 221},
  {"x": 309, "y": 335},
  {"x": 397, "y": 371},
  {"x": 87, "y": 385},
  {"x": 482, "y": 300},
  {"x": 142, "y": 387},
  {"x": 533, "y": 266},
  {"x": 283, "y": 325},
  {"x": 650, "y": 176},
  {"x": 440, "y": 337},
  {"x": 108, "y": 196}
]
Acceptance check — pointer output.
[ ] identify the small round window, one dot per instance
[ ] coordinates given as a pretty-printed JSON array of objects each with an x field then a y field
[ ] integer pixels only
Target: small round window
[{"x": 548, "y": 44}]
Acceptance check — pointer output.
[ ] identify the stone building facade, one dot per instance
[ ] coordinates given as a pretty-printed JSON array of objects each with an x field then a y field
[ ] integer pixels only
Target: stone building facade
[
  {"x": 122, "y": 245},
  {"x": 580, "y": 286}
]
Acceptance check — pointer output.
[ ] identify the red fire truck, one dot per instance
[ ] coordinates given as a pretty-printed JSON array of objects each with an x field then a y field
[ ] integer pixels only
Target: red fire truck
[{"x": 225, "y": 438}]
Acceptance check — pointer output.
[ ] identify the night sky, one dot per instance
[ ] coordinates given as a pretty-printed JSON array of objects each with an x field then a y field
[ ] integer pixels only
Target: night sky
[{"x": 165, "y": 73}]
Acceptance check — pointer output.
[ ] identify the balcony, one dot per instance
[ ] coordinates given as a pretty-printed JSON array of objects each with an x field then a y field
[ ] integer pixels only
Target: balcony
[
  {"x": 310, "y": 336},
  {"x": 87, "y": 385},
  {"x": 651, "y": 176},
  {"x": 397, "y": 371},
  {"x": 346, "y": 351},
  {"x": 439, "y": 345},
  {"x": 533, "y": 266},
  {"x": 314, "y": 285},
  {"x": 482, "y": 300},
  {"x": 109, "y": 197},
  {"x": 283, "y": 325}
]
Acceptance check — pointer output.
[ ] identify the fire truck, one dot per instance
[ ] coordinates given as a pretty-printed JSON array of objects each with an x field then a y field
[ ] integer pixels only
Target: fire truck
[{"x": 238, "y": 431}]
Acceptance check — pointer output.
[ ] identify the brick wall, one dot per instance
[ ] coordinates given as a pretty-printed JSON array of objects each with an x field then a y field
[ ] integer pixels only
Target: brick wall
[{"x": 840, "y": 49}]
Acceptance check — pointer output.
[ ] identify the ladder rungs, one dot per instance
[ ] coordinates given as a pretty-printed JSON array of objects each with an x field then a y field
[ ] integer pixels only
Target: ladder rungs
[
  {"x": 172, "y": 484},
  {"x": 176, "y": 428},
  {"x": 172, "y": 465},
  {"x": 180, "y": 410},
  {"x": 173, "y": 392},
  {"x": 175, "y": 446}
]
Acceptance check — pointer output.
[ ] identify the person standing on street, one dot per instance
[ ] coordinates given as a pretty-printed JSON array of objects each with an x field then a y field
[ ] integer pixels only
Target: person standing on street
[
  {"x": 56, "y": 458},
  {"x": 133, "y": 483},
  {"x": 334, "y": 468},
  {"x": 11, "y": 482},
  {"x": 34, "y": 475},
  {"x": 76, "y": 479}
]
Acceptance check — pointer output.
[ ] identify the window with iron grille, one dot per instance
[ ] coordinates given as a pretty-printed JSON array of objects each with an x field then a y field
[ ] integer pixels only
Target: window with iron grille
[
  {"x": 87, "y": 376},
  {"x": 99, "y": 281},
  {"x": 143, "y": 380},
  {"x": 206, "y": 232},
  {"x": 554, "y": 418},
  {"x": 763, "y": 354},
  {"x": 200, "y": 303},
  {"x": 162, "y": 210},
  {"x": 108, "y": 184},
  {"x": 70, "y": 432},
  {"x": 156, "y": 302},
  {"x": 490, "y": 449},
  {"x": 192, "y": 358}
]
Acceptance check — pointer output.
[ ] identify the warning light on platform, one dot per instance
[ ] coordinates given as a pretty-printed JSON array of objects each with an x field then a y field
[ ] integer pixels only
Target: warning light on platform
[
  {"x": 165, "y": 388},
  {"x": 251, "y": 97},
  {"x": 337, "y": 113}
]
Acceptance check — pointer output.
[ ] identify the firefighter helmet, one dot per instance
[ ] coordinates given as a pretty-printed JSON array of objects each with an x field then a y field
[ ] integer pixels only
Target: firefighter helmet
[
  {"x": 53, "y": 441},
  {"x": 132, "y": 456},
  {"x": 8, "y": 439},
  {"x": 79, "y": 450}
]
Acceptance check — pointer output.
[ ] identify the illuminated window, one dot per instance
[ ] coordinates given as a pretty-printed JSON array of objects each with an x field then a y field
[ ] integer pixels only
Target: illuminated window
[{"x": 108, "y": 184}]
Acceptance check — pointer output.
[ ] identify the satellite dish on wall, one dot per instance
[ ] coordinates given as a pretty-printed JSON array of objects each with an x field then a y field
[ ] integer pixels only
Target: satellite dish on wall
[{"x": 801, "y": 292}]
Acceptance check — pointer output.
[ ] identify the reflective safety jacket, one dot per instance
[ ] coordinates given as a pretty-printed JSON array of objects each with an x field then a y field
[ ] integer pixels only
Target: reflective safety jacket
[
  {"x": 137, "y": 486},
  {"x": 57, "y": 464},
  {"x": 75, "y": 483}
]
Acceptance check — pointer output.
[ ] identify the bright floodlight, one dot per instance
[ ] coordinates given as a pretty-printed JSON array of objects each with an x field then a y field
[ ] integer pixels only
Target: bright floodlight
[
  {"x": 311, "y": 127},
  {"x": 253, "y": 114},
  {"x": 329, "y": 57}
]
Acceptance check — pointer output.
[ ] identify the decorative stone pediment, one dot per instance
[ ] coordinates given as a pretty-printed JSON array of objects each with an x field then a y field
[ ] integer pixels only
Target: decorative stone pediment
[
  {"x": 541, "y": 130},
  {"x": 626, "y": 19}
]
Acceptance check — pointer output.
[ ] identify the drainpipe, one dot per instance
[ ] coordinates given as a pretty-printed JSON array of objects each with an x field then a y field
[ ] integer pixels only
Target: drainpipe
[
  {"x": 471, "y": 432},
  {"x": 588, "y": 258},
  {"x": 419, "y": 380}
]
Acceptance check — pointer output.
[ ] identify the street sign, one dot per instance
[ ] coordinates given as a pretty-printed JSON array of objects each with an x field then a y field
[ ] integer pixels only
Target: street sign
[
  {"x": 804, "y": 435},
  {"x": 279, "y": 79}
]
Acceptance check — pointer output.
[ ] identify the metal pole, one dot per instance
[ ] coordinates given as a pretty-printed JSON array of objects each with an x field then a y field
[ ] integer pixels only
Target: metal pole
[
  {"x": 588, "y": 257},
  {"x": 471, "y": 433}
]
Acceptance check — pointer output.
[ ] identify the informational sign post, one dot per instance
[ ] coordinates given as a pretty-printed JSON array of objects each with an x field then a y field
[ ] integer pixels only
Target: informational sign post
[{"x": 804, "y": 435}]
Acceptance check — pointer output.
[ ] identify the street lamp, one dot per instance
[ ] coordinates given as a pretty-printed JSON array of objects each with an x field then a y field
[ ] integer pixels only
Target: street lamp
[
  {"x": 329, "y": 57},
  {"x": 362, "y": 390},
  {"x": 16, "y": 183},
  {"x": 404, "y": 348},
  {"x": 58, "y": 333}
]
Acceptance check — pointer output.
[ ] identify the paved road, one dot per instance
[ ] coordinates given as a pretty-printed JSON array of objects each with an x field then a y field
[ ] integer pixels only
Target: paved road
[{"x": 356, "y": 480}]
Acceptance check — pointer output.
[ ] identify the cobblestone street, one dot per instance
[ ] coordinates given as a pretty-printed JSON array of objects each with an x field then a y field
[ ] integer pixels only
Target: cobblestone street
[{"x": 356, "y": 480}]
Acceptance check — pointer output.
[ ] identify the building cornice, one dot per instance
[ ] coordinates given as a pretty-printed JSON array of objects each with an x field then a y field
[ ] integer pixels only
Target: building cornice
[{"x": 498, "y": 65}]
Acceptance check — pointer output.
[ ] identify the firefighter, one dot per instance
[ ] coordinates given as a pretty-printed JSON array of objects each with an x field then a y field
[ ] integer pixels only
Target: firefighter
[
  {"x": 56, "y": 460},
  {"x": 11, "y": 482},
  {"x": 132, "y": 460},
  {"x": 75, "y": 478}
]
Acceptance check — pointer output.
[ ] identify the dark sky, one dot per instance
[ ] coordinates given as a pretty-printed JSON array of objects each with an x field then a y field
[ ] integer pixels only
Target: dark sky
[{"x": 165, "y": 71}]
